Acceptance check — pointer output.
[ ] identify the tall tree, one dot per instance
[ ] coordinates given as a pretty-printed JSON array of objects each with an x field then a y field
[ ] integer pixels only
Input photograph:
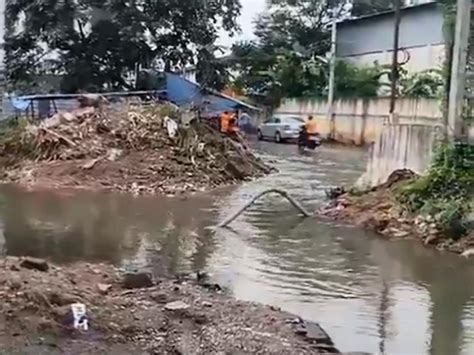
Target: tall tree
[
  {"x": 368, "y": 7},
  {"x": 287, "y": 57},
  {"x": 96, "y": 44}
]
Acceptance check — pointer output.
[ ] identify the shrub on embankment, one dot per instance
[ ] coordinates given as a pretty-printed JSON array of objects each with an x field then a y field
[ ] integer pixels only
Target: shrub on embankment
[{"x": 446, "y": 192}]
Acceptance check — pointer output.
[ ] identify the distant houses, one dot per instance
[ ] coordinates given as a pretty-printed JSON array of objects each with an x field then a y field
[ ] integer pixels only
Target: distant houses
[{"x": 369, "y": 39}]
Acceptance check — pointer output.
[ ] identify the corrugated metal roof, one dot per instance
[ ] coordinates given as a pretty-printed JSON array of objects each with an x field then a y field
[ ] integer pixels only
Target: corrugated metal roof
[{"x": 184, "y": 92}]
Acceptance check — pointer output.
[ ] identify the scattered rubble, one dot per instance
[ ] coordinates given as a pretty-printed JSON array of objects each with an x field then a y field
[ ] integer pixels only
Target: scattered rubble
[
  {"x": 95, "y": 147},
  {"x": 104, "y": 288},
  {"x": 377, "y": 210},
  {"x": 137, "y": 280},
  {"x": 176, "y": 306},
  {"x": 172, "y": 316},
  {"x": 468, "y": 253},
  {"x": 34, "y": 264}
]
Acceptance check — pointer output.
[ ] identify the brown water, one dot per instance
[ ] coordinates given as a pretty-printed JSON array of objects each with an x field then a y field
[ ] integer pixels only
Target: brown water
[{"x": 368, "y": 293}]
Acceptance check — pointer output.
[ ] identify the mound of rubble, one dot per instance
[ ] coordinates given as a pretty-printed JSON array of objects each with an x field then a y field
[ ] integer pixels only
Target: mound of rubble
[
  {"x": 137, "y": 314},
  {"x": 378, "y": 210},
  {"x": 130, "y": 150}
]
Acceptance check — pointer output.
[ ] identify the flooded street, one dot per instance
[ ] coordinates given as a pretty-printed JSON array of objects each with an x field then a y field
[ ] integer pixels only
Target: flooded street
[{"x": 369, "y": 294}]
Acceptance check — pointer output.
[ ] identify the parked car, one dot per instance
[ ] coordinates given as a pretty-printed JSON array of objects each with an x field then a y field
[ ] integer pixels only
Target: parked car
[{"x": 280, "y": 129}]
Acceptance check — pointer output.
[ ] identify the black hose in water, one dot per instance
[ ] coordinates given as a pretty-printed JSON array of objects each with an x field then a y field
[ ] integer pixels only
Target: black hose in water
[{"x": 285, "y": 194}]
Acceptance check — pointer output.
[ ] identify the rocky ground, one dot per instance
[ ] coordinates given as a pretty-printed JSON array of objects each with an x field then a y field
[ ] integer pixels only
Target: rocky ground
[
  {"x": 102, "y": 149},
  {"x": 377, "y": 210},
  {"x": 135, "y": 314}
]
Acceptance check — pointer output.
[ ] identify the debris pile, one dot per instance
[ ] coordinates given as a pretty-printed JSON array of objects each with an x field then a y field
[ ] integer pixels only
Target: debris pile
[
  {"x": 128, "y": 150},
  {"x": 168, "y": 316},
  {"x": 378, "y": 210}
]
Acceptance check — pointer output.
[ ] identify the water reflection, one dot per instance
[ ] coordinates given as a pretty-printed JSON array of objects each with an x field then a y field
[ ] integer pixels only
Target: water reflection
[
  {"x": 370, "y": 294},
  {"x": 106, "y": 227}
]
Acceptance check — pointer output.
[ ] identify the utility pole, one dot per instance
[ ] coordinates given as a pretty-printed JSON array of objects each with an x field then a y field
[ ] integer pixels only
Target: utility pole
[
  {"x": 396, "y": 36},
  {"x": 458, "y": 71},
  {"x": 332, "y": 76}
]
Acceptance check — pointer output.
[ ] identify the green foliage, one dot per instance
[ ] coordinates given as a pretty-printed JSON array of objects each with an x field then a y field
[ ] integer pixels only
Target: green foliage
[
  {"x": 150, "y": 80},
  {"x": 97, "y": 45},
  {"x": 447, "y": 191},
  {"x": 428, "y": 84},
  {"x": 13, "y": 143},
  {"x": 211, "y": 71},
  {"x": 168, "y": 110},
  {"x": 285, "y": 75},
  {"x": 298, "y": 22},
  {"x": 353, "y": 81},
  {"x": 287, "y": 59},
  {"x": 366, "y": 7}
]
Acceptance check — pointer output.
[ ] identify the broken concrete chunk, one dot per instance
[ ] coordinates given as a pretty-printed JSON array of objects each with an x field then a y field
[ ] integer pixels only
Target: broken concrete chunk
[
  {"x": 104, "y": 288},
  {"x": 159, "y": 297},
  {"x": 90, "y": 164},
  {"x": 301, "y": 330},
  {"x": 176, "y": 306},
  {"x": 137, "y": 280},
  {"x": 315, "y": 332},
  {"x": 467, "y": 253},
  {"x": 114, "y": 154},
  {"x": 34, "y": 264}
]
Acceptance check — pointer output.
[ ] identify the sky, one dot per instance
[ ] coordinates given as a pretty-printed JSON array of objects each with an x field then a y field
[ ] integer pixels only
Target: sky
[{"x": 250, "y": 9}]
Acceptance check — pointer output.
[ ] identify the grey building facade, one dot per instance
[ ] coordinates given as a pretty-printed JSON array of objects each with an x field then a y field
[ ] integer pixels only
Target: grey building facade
[{"x": 368, "y": 39}]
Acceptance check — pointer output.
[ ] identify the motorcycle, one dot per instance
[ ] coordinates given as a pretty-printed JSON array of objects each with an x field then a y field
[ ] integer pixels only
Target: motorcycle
[{"x": 308, "y": 141}]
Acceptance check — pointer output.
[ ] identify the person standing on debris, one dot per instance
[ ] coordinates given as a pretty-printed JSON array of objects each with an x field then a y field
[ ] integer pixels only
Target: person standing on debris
[
  {"x": 225, "y": 121},
  {"x": 233, "y": 123}
]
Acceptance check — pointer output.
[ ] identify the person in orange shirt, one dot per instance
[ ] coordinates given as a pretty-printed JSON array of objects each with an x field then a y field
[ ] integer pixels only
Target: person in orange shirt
[
  {"x": 311, "y": 126},
  {"x": 225, "y": 120},
  {"x": 233, "y": 125}
]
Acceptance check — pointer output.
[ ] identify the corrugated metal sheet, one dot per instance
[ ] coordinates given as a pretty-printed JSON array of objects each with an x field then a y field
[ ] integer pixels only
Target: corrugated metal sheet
[
  {"x": 179, "y": 90},
  {"x": 184, "y": 92}
]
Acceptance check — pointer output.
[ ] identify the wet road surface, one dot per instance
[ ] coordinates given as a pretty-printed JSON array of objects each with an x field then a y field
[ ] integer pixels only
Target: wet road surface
[{"x": 368, "y": 293}]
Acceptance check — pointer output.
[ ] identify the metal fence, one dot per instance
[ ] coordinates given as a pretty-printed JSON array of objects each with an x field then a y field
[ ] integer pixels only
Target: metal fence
[{"x": 42, "y": 106}]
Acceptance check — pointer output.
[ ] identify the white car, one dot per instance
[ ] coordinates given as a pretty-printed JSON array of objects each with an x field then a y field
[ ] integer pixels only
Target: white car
[{"x": 280, "y": 129}]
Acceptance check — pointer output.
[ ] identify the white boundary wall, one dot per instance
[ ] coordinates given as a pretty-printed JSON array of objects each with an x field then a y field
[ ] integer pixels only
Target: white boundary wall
[{"x": 359, "y": 121}]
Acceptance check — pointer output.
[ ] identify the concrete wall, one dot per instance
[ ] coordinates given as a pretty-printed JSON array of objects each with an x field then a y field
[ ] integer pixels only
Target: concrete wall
[
  {"x": 366, "y": 40},
  {"x": 402, "y": 146},
  {"x": 361, "y": 121},
  {"x": 399, "y": 146}
]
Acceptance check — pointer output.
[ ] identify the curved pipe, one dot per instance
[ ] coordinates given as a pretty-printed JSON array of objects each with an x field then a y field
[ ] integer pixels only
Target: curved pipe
[{"x": 282, "y": 193}]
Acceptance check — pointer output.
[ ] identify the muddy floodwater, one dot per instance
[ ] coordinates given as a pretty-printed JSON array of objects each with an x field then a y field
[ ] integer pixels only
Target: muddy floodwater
[{"x": 368, "y": 293}]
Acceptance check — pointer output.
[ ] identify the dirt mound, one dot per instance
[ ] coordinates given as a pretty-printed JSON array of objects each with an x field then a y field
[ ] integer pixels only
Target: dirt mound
[
  {"x": 378, "y": 210},
  {"x": 131, "y": 150},
  {"x": 172, "y": 316}
]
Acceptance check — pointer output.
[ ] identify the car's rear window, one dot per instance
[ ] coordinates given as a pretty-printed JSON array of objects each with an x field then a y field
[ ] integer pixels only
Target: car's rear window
[{"x": 294, "y": 120}]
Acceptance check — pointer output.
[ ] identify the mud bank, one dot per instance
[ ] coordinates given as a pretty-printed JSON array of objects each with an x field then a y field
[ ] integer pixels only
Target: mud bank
[
  {"x": 134, "y": 313},
  {"x": 134, "y": 151},
  {"x": 377, "y": 210}
]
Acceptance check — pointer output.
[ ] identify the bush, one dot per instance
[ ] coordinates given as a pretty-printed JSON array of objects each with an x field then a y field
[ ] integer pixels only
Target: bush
[{"x": 447, "y": 191}]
